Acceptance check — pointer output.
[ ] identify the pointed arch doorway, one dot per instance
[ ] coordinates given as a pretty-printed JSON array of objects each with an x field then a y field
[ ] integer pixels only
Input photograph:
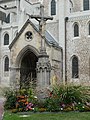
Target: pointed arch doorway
[{"x": 28, "y": 69}]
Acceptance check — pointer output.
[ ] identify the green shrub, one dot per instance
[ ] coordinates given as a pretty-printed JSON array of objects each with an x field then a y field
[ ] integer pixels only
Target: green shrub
[
  {"x": 71, "y": 94},
  {"x": 67, "y": 97},
  {"x": 10, "y": 99}
]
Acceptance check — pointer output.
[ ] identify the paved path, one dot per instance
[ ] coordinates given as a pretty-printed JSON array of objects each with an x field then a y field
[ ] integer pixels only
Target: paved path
[{"x": 1, "y": 107}]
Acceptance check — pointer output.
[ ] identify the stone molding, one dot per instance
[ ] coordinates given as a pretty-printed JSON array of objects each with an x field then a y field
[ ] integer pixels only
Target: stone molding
[{"x": 79, "y": 18}]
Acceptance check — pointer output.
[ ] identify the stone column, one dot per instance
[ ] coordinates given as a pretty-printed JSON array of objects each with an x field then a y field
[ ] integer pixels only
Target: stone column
[{"x": 43, "y": 76}]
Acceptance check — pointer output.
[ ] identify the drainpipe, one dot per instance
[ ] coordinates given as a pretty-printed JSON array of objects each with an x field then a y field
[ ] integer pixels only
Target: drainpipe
[
  {"x": 62, "y": 63},
  {"x": 66, "y": 19}
]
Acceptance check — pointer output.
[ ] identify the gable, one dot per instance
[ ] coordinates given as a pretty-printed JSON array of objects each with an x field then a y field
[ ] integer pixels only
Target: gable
[
  {"x": 28, "y": 22},
  {"x": 21, "y": 40},
  {"x": 48, "y": 38}
]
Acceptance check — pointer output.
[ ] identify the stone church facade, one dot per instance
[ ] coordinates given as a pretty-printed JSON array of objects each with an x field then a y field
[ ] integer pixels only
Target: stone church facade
[{"x": 66, "y": 40}]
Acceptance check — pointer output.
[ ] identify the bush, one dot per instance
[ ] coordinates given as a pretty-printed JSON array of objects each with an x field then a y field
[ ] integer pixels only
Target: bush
[
  {"x": 71, "y": 94},
  {"x": 66, "y": 97},
  {"x": 19, "y": 99},
  {"x": 10, "y": 99},
  {"x": 52, "y": 104}
]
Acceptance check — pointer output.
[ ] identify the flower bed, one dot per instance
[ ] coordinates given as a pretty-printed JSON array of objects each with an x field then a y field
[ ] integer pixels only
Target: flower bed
[{"x": 61, "y": 98}]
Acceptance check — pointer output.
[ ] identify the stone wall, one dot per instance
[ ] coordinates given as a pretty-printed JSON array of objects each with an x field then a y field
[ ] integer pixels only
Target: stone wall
[
  {"x": 77, "y": 5},
  {"x": 79, "y": 46}
]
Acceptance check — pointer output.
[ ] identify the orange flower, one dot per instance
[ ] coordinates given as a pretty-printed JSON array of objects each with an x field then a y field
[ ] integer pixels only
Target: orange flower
[
  {"x": 20, "y": 96},
  {"x": 27, "y": 103},
  {"x": 23, "y": 100}
]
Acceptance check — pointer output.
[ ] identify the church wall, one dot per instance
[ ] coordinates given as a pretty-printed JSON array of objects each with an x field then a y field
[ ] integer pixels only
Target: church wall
[
  {"x": 77, "y": 5},
  {"x": 79, "y": 46},
  {"x": 57, "y": 64},
  {"x": 33, "y": 8},
  {"x": 0, "y": 55},
  {"x": 55, "y": 57},
  {"x": 4, "y": 75},
  {"x": 55, "y": 29},
  {"x": 5, "y": 51},
  {"x": 52, "y": 25}
]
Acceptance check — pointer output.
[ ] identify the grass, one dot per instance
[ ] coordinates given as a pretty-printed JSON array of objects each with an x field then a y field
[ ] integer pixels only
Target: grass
[{"x": 49, "y": 116}]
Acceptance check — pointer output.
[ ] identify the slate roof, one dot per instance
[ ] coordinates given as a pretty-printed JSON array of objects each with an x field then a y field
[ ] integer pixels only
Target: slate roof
[
  {"x": 48, "y": 37},
  {"x": 51, "y": 39}
]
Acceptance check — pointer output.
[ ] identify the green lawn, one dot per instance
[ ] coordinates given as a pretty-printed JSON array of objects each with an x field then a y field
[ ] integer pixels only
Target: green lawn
[{"x": 49, "y": 116}]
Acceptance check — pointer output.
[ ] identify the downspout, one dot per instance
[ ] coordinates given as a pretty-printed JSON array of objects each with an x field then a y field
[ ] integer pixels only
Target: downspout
[
  {"x": 66, "y": 19},
  {"x": 62, "y": 63}
]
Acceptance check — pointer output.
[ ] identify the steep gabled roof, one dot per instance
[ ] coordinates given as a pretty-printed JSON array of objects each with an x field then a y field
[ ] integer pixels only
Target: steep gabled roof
[{"x": 49, "y": 39}]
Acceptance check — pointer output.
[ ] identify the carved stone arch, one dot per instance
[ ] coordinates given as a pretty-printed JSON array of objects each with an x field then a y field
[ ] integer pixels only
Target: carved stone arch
[
  {"x": 75, "y": 55},
  {"x": 78, "y": 23},
  {"x": 23, "y": 52},
  {"x": 26, "y": 61},
  {"x": 5, "y": 32}
]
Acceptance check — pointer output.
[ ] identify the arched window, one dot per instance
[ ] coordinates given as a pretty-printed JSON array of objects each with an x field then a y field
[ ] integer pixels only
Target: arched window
[
  {"x": 75, "y": 67},
  {"x": 6, "y": 39},
  {"x": 89, "y": 28},
  {"x": 53, "y": 7},
  {"x": 76, "y": 30},
  {"x": 6, "y": 64},
  {"x": 85, "y": 4}
]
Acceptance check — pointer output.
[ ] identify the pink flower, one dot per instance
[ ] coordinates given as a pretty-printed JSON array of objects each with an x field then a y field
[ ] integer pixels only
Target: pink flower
[
  {"x": 29, "y": 106},
  {"x": 63, "y": 105}
]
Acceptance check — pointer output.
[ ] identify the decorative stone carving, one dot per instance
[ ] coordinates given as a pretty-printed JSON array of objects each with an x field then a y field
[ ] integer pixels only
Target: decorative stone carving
[{"x": 43, "y": 64}]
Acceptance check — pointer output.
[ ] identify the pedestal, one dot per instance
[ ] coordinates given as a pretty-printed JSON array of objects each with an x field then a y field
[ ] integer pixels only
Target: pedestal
[{"x": 43, "y": 75}]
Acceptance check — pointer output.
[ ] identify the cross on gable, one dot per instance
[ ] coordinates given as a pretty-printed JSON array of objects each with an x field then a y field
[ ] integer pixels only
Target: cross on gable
[
  {"x": 41, "y": 18},
  {"x": 42, "y": 22}
]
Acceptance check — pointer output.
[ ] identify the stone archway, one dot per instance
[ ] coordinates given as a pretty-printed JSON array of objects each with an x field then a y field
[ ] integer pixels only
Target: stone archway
[
  {"x": 28, "y": 69},
  {"x": 26, "y": 62}
]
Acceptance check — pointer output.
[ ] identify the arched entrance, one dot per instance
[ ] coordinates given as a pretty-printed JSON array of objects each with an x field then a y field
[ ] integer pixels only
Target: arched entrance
[{"x": 28, "y": 69}]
